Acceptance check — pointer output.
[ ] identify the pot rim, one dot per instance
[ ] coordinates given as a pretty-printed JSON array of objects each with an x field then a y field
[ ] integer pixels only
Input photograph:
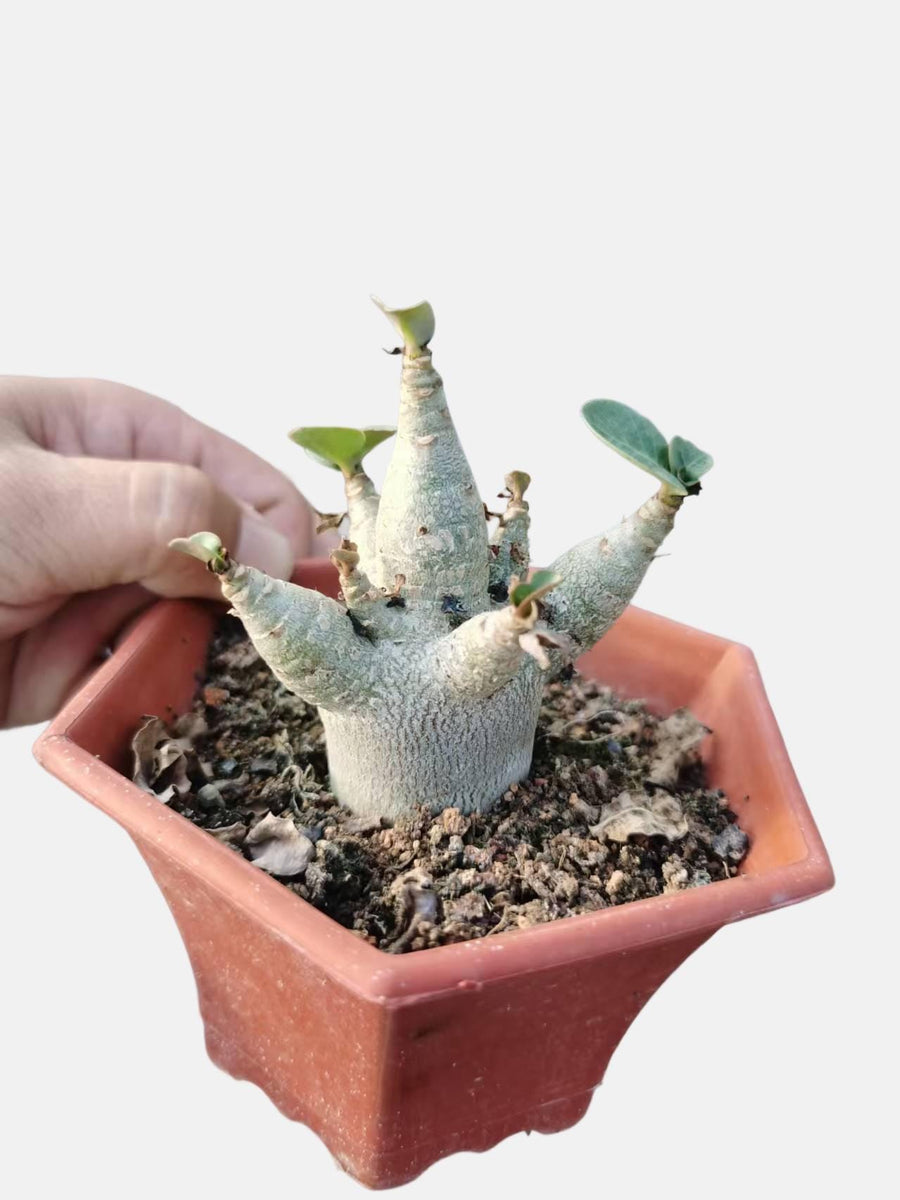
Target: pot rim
[{"x": 397, "y": 979}]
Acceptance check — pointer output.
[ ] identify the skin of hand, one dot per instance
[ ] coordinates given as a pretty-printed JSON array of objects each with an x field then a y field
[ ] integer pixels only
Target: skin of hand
[{"x": 95, "y": 479}]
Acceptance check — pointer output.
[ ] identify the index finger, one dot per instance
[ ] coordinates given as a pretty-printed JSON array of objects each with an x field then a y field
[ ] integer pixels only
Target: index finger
[{"x": 101, "y": 419}]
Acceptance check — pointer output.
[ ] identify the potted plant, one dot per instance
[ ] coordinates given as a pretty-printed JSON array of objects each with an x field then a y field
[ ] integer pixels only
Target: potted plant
[{"x": 426, "y": 653}]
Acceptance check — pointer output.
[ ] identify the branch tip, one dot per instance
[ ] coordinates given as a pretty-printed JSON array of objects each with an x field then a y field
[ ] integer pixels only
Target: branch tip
[
  {"x": 345, "y": 558},
  {"x": 525, "y": 593},
  {"x": 517, "y": 482},
  {"x": 207, "y": 548},
  {"x": 415, "y": 325}
]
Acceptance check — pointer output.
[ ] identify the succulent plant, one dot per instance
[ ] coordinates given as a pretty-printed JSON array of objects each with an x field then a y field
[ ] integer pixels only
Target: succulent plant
[{"x": 428, "y": 672}]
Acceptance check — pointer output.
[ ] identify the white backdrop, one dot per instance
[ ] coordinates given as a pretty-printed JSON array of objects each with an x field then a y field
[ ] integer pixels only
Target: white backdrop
[{"x": 691, "y": 208}]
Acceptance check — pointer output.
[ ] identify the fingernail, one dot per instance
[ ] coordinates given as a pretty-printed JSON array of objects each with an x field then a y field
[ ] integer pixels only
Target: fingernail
[{"x": 262, "y": 546}]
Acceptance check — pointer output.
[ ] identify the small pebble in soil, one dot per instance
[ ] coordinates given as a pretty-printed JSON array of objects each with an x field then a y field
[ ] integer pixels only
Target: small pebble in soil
[{"x": 248, "y": 765}]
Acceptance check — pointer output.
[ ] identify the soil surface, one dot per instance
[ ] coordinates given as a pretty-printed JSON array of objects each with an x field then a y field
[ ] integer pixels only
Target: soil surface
[{"x": 615, "y": 809}]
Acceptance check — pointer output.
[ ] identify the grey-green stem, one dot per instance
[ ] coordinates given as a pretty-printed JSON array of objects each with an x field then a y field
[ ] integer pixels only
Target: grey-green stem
[
  {"x": 427, "y": 681},
  {"x": 430, "y": 524}
]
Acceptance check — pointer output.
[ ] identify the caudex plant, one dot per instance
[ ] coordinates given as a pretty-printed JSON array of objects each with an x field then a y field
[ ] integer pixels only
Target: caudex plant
[{"x": 428, "y": 675}]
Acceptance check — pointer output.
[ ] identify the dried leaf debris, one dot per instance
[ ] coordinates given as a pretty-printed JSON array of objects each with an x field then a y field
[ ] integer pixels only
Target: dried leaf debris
[{"x": 615, "y": 809}]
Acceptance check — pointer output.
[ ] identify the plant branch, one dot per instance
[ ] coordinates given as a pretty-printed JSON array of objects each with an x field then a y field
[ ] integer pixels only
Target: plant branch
[
  {"x": 306, "y": 638},
  {"x": 362, "y": 509},
  {"x": 356, "y": 587},
  {"x": 485, "y": 653},
  {"x": 602, "y": 574},
  {"x": 430, "y": 524},
  {"x": 509, "y": 543}
]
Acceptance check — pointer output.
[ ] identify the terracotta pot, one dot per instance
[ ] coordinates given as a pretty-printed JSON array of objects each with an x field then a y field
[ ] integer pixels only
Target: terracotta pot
[{"x": 396, "y": 1061}]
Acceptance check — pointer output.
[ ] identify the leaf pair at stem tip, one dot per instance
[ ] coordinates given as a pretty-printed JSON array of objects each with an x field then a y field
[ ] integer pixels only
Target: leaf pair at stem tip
[
  {"x": 341, "y": 448},
  {"x": 677, "y": 464}
]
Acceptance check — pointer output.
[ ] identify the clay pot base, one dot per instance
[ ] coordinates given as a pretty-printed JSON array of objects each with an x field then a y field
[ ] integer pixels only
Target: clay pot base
[{"x": 397, "y": 1061}]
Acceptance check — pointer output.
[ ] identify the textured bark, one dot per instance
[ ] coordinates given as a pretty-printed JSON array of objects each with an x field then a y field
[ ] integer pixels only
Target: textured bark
[
  {"x": 420, "y": 744},
  {"x": 601, "y": 575},
  {"x": 431, "y": 524},
  {"x": 484, "y": 654},
  {"x": 306, "y": 638},
  {"x": 414, "y": 712},
  {"x": 510, "y": 550},
  {"x": 511, "y": 546},
  {"x": 429, "y": 686},
  {"x": 362, "y": 509}
]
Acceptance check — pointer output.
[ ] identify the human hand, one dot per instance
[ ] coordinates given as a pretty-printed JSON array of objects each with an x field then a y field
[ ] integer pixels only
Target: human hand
[{"x": 95, "y": 479}]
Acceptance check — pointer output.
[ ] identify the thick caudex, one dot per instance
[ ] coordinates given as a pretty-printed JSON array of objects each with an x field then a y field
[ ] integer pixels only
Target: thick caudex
[{"x": 428, "y": 672}]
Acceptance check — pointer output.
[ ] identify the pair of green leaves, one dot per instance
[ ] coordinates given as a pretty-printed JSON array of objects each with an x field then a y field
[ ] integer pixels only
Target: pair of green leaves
[
  {"x": 679, "y": 463},
  {"x": 340, "y": 448}
]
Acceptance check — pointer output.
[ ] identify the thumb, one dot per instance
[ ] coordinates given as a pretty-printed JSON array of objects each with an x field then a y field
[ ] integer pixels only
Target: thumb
[{"x": 109, "y": 522}]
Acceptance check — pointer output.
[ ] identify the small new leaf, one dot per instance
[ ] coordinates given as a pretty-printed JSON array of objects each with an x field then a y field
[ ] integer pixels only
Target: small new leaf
[
  {"x": 688, "y": 461},
  {"x": 523, "y": 594},
  {"x": 207, "y": 547},
  {"x": 346, "y": 558},
  {"x": 517, "y": 482},
  {"x": 415, "y": 325}
]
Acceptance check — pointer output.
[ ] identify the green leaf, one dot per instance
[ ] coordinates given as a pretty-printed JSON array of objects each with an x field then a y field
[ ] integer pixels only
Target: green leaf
[
  {"x": 536, "y": 585},
  {"x": 415, "y": 325},
  {"x": 375, "y": 435},
  {"x": 688, "y": 461},
  {"x": 340, "y": 448},
  {"x": 632, "y": 436},
  {"x": 205, "y": 546},
  {"x": 333, "y": 446}
]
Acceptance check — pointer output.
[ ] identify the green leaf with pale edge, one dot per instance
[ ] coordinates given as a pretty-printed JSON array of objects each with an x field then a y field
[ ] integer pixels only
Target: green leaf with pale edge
[
  {"x": 415, "y": 325},
  {"x": 340, "y": 448},
  {"x": 688, "y": 461},
  {"x": 375, "y": 435},
  {"x": 537, "y": 585},
  {"x": 332, "y": 446},
  {"x": 634, "y": 437},
  {"x": 207, "y": 547}
]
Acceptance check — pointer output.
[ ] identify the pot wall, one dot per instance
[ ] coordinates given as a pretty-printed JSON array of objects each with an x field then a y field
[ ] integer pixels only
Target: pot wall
[
  {"x": 392, "y": 1085},
  {"x": 397, "y": 1061}
]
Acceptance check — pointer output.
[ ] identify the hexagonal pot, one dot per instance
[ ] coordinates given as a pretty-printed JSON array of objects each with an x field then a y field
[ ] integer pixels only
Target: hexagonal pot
[{"x": 396, "y": 1061}]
